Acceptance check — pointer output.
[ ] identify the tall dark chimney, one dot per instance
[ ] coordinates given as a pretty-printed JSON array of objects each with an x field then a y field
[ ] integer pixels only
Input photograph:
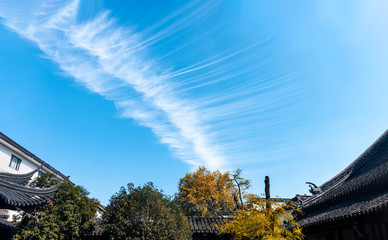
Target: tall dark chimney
[{"x": 267, "y": 194}]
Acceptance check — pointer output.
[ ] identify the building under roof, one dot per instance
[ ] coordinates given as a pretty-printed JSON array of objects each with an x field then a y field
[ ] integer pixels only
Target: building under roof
[
  {"x": 354, "y": 203},
  {"x": 18, "y": 167}
]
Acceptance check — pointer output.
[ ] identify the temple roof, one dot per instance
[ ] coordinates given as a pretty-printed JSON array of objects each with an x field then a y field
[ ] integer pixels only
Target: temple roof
[
  {"x": 360, "y": 189},
  {"x": 13, "y": 195},
  {"x": 205, "y": 224},
  {"x": 21, "y": 179}
]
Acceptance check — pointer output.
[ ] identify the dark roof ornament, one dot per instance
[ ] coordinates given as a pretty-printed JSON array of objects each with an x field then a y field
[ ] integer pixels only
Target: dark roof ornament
[{"x": 314, "y": 189}]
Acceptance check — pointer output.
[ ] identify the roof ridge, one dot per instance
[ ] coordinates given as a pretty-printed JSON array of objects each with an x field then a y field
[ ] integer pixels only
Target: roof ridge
[
  {"x": 14, "y": 186},
  {"x": 349, "y": 169},
  {"x": 367, "y": 184}
]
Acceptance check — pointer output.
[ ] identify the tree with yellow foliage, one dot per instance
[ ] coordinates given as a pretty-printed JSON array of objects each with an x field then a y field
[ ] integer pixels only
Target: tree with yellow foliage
[
  {"x": 257, "y": 221},
  {"x": 206, "y": 193}
]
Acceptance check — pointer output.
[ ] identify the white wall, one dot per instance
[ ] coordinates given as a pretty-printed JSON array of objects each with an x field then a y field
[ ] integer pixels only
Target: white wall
[{"x": 26, "y": 166}]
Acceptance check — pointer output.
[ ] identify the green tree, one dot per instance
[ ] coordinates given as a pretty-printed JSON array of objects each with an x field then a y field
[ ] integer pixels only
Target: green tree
[
  {"x": 258, "y": 222},
  {"x": 206, "y": 193},
  {"x": 144, "y": 213},
  {"x": 68, "y": 216},
  {"x": 45, "y": 180}
]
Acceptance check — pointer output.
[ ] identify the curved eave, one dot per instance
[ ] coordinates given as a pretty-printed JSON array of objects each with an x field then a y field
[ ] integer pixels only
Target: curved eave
[
  {"x": 350, "y": 209},
  {"x": 373, "y": 181},
  {"x": 21, "y": 179},
  {"x": 13, "y": 195},
  {"x": 368, "y": 174},
  {"x": 358, "y": 190}
]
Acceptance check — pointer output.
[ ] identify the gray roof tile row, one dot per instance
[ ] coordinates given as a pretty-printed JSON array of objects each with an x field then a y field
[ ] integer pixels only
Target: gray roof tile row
[{"x": 205, "y": 224}]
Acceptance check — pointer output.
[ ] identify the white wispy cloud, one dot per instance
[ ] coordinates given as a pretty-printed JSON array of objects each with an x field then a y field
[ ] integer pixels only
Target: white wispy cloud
[
  {"x": 109, "y": 60},
  {"x": 213, "y": 128}
]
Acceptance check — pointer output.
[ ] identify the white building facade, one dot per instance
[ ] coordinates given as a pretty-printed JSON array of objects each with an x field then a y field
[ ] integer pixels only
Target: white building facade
[{"x": 16, "y": 159}]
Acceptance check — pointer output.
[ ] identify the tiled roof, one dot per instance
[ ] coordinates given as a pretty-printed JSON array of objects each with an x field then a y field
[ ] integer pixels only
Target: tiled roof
[
  {"x": 14, "y": 195},
  {"x": 358, "y": 190},
  {"x": 21, "y": 179},
  {"x": 351, "y": 208},
  {"x": 28, "y": 153},
  {"x": 369, "y": 159},
  {"x": 205, "y": 224}
]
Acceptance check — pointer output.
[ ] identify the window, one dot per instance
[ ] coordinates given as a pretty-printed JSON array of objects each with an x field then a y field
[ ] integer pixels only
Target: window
[{"x": 15, "y": 163}]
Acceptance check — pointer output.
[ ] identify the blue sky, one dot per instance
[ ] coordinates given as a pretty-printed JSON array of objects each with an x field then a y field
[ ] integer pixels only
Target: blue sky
[{"x": 111, "y": 92}]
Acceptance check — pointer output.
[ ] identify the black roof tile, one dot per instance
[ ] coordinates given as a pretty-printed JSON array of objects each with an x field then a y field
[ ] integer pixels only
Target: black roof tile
[
  {"x": 21, "y": 179},
  {"x": 205, "y": 224},
  {"x": 14, "y": 195}
]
